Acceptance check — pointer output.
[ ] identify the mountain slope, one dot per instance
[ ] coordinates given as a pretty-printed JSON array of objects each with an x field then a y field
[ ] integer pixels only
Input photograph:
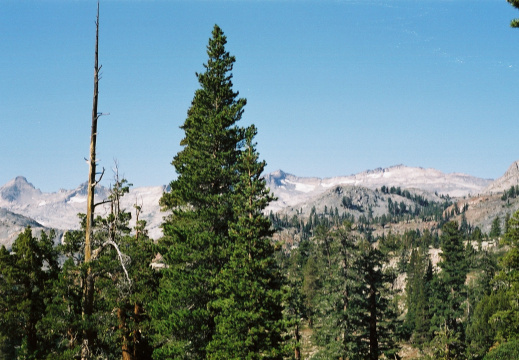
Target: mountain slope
[
  {"x": 59, "y": 210},
  {"x": 292, "y": 190},
  {"x": 11, "y": 225},
  {"x": 509, "y": 178}
]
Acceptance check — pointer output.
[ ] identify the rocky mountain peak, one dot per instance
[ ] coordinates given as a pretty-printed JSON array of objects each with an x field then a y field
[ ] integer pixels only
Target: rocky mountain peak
[
  {"x": 15, "y": 188},
  {"x": 21, "y": 182},
  {"x": 509, "y": 178},
  {"x": 513, "y": 170}
]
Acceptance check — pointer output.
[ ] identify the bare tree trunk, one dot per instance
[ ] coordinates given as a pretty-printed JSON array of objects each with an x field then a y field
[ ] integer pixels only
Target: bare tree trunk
[
  {"x": 126, "y": 354},
  {"x": 297, "y": 352},
  {"x": 88, "y": 336},
  {"x": 373, "y": 336},
  {"x": 137, "y": 311}
]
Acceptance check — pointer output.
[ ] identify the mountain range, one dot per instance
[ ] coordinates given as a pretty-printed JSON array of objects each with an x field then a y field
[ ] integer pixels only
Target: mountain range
[
  {"x": 22, "y": 204},
  {"x": 292, "y": 190}
]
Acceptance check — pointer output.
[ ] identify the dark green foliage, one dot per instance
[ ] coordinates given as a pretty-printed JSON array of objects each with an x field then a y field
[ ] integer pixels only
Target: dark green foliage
[
  {"x": 454, "y": 272},
  {"x": 120, "y": 322},
  {"x": 506, "y": 283},
  {"x": 124, "y": 294},
  {"x": 62, "y": 324},
  {"x": 418, "y": 292},
  {"x": 511, "y": 193},
  {"x": 310, "y": 286},
  {"x": 295, "y": 309},
  {"x": 515, "y": 22},
  {"x": 449, "y": 293},
  {"x": 249, "y": 320},
  {"x": 220, "y": 296},
  {"x": 338, "y": 302},
  {"x": 26, "y": 274},
  {"x": 506, "y": 351},
  {"x": 196, "y": 242},
  {"x": 381, "y": 315},
  {"x": 495, "y": 230},
  {"x": 354, "y": 310},
  {"x": 481, "y": 332},
  {"x": 480, "y": 306},
  {"x": 495, "y": 317}
]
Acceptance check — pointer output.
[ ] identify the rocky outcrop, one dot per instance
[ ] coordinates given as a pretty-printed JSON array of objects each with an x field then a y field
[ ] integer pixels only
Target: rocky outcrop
[{"x": 510, "y": 178}]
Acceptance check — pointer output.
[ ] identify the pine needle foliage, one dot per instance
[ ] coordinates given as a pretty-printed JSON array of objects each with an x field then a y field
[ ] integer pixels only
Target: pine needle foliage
[
  {"x": 25, "y": 275},
  {"x": 220, "y": 296},
  {"x": 249, "y": 320},
  {"x": 515, "y": 22}
]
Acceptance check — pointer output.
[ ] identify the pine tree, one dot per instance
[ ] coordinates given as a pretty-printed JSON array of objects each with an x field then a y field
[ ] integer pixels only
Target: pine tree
[
  {"x": 450, "y": 293},
  {"x": 118, "y": 324},
  {"x": 123, "y": 292},
  {"x": 339, "y": 302},
  {"x": 25, "y": 276},
  {"x": 423, "y": 309},
  {"x": 515, "y": 22},
  {"x": 295, "y": 310},
  {"x": 355, "y": 312},
  {"x": 419, "y": 277},
  {"x": 62, "y": 324},
  {"x": 495, "y": 230},
  {"x": 380, "y": 317},
  {"x": 196, "y": 244},
  {"x": 249, "y": 319}
]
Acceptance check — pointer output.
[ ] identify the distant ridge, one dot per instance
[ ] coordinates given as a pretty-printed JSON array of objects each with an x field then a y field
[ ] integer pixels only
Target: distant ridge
[
  {"x": 291, "y": 189},
  {"x": 59, "y": 210},
  {"x": 23, "y": 203},
  {"x": 11, "y": 225}
]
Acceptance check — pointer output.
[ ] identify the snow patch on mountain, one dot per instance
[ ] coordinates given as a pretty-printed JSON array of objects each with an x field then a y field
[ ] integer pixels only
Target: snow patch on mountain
[
  {"x": 291, "y": 190},
  {"x": 59, "y": 210}
]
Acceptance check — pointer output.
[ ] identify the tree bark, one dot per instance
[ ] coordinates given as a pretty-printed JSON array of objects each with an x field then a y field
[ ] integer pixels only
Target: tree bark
[
  {"x": 297, "y": 352},
  {"x": 125, "y": 347},
  {"x": 373, "y": 337},
  {"x": 137, "y": 311},
  {"x": 88, "y": 299}
]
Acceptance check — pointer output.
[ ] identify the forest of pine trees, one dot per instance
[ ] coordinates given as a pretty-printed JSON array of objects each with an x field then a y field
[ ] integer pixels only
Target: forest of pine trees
[{"x": 224, "y": 289}]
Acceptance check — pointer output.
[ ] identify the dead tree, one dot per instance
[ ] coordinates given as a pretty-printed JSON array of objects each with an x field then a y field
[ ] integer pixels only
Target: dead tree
[
  {"x": 88, "y": 292},
  {"x": 92, "y": 254}
]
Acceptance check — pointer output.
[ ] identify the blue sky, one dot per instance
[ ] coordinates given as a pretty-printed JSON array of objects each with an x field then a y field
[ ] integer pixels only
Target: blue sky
[{"x": 334, "y": 87}]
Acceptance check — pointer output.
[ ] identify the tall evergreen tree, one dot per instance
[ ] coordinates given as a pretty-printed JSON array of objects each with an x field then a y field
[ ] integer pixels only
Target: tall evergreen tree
[
  {"x": 419, "y": 277},
  {"x": 450, "y": 293},
  {"x": 338, "y": 329},
  {"x": 249, "y": 319},
  {"x": 295, "y": 310},
  {"x": 380, "y": 317},
  {"x": 214, "y": 227}
]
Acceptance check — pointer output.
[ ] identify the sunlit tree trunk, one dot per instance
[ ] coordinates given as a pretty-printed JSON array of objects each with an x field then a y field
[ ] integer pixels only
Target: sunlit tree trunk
[{"x": 88, "y": 298}]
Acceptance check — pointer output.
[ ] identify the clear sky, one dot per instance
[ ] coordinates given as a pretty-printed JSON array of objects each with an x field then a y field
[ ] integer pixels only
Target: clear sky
[{"x": 334, "y": 87}]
